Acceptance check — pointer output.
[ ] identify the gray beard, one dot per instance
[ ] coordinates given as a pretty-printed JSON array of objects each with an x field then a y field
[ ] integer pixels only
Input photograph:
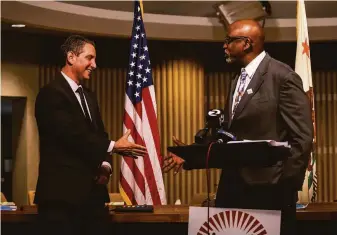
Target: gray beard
[{"x": 228, "y": 58}]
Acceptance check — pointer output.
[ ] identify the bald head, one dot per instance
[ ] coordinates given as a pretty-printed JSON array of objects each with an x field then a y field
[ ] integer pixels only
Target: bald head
[{"x": 250, "y": 29}]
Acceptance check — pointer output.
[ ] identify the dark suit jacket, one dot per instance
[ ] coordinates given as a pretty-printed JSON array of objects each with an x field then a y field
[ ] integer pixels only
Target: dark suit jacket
[
  {"x": 277, "y": 109},
  {"x": 71, "y": 150}
]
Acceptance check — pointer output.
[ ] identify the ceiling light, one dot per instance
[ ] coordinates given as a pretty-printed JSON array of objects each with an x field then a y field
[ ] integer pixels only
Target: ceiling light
[
  {"x": 231, "y": 11},
  {"x": 18, "y": 25}
]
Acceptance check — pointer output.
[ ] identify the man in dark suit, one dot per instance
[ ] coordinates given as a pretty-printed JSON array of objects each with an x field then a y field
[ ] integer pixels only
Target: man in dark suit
[
  {"x": 75, "y": 150},
  {"x": 266, "y": 101}
]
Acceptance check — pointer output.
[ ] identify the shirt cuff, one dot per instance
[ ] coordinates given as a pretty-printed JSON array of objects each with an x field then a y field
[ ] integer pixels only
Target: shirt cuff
[
  {"x": 107, "y": 165},
  {"x": 111, "y": 146}
]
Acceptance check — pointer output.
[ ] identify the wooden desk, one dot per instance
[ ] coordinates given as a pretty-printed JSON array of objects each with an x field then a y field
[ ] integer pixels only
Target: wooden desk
[
  {"x": 173, "y": 214},
  {"x": 318, "y": 218}
]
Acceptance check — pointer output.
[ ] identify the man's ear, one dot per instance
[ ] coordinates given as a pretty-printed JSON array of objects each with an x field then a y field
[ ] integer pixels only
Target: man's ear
[
  {"x": 248, "y": 46},
  {"x": 71, "y": 57}
]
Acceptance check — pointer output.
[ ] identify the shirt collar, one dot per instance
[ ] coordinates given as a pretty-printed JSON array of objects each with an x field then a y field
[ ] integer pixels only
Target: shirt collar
[
  {"x": 71, "y": 82},
  {"x": 252, "y": 66}
]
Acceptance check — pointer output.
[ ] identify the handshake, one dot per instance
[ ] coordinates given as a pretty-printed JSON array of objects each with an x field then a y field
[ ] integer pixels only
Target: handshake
[
  {"x": 125, "y": 148},
  {"x": 214, "y": 131}
]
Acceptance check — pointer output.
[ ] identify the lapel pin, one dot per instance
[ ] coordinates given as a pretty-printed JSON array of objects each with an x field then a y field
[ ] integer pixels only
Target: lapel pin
[{"x": 249, "y": 91}]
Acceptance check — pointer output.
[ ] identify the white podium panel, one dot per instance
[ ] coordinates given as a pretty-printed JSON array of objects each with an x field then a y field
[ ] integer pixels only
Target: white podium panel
[{"x": 224, "y": 221}]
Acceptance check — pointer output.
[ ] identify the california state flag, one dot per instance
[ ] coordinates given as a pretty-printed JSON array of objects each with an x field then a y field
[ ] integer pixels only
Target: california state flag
[{"x": 303, "y": 68}]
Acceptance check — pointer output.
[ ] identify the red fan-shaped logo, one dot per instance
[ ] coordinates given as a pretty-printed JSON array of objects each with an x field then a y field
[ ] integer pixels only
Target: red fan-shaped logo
[{"x": 232, "y": 222}]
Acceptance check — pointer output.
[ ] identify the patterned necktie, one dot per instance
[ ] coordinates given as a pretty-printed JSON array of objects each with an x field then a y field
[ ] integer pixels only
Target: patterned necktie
[
  {"x": 84, "y": 105},
  {"x": 241, "y": 90}
]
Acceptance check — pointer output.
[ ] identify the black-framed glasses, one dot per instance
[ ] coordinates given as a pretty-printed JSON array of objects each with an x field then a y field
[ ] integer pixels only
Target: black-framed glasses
[{"x": 229, "y": 39}]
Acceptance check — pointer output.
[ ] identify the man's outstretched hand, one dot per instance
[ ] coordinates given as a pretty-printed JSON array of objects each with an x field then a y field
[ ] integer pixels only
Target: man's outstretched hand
[
  {"x": 125, "y": 148},
  {"x": 172, "y": 161}
]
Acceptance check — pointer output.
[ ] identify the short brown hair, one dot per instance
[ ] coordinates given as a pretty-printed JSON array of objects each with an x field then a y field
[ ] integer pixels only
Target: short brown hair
[{"x": 75, "y": 43}]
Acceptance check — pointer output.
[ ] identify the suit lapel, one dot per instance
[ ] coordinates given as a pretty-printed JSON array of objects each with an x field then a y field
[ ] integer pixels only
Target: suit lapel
[
  {"x": 253, "y": 86},
  {"x": 91, "y": 107}
]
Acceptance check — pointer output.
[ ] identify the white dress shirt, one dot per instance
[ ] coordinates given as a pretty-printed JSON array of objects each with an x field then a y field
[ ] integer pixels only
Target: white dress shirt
[
  {"x": 250, "y": 70},
  {"x": 74, "y": 87}
]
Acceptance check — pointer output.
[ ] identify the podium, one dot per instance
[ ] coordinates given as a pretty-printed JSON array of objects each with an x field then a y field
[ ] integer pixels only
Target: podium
[{"x": 239, "y": 154}]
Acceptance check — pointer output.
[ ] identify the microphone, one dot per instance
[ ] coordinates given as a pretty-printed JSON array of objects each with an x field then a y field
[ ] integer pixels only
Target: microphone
[
  {"x": 214, "y": 121},
  {"x": 200, "y": 137},
  {"x": 215, "y": 118}
]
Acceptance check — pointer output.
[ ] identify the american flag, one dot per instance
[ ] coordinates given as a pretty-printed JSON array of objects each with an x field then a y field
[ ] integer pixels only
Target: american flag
[{"x": 141, "y": 180}]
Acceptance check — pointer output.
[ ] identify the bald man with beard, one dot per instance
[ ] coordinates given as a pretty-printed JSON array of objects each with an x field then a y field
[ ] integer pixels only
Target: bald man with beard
[{"x": 266, "y": 101}]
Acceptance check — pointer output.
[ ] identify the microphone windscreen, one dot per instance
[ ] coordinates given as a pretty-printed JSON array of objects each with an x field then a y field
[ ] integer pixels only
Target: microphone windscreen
[{"x": 215, "y": 118}]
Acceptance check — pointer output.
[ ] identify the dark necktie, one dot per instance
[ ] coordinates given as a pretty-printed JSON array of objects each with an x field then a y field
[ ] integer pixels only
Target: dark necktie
[{"x": 84, "y": 105}]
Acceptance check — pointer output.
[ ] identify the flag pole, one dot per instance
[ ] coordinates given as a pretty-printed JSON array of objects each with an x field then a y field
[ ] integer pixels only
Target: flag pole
[{"x": 141, "y": 7}]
